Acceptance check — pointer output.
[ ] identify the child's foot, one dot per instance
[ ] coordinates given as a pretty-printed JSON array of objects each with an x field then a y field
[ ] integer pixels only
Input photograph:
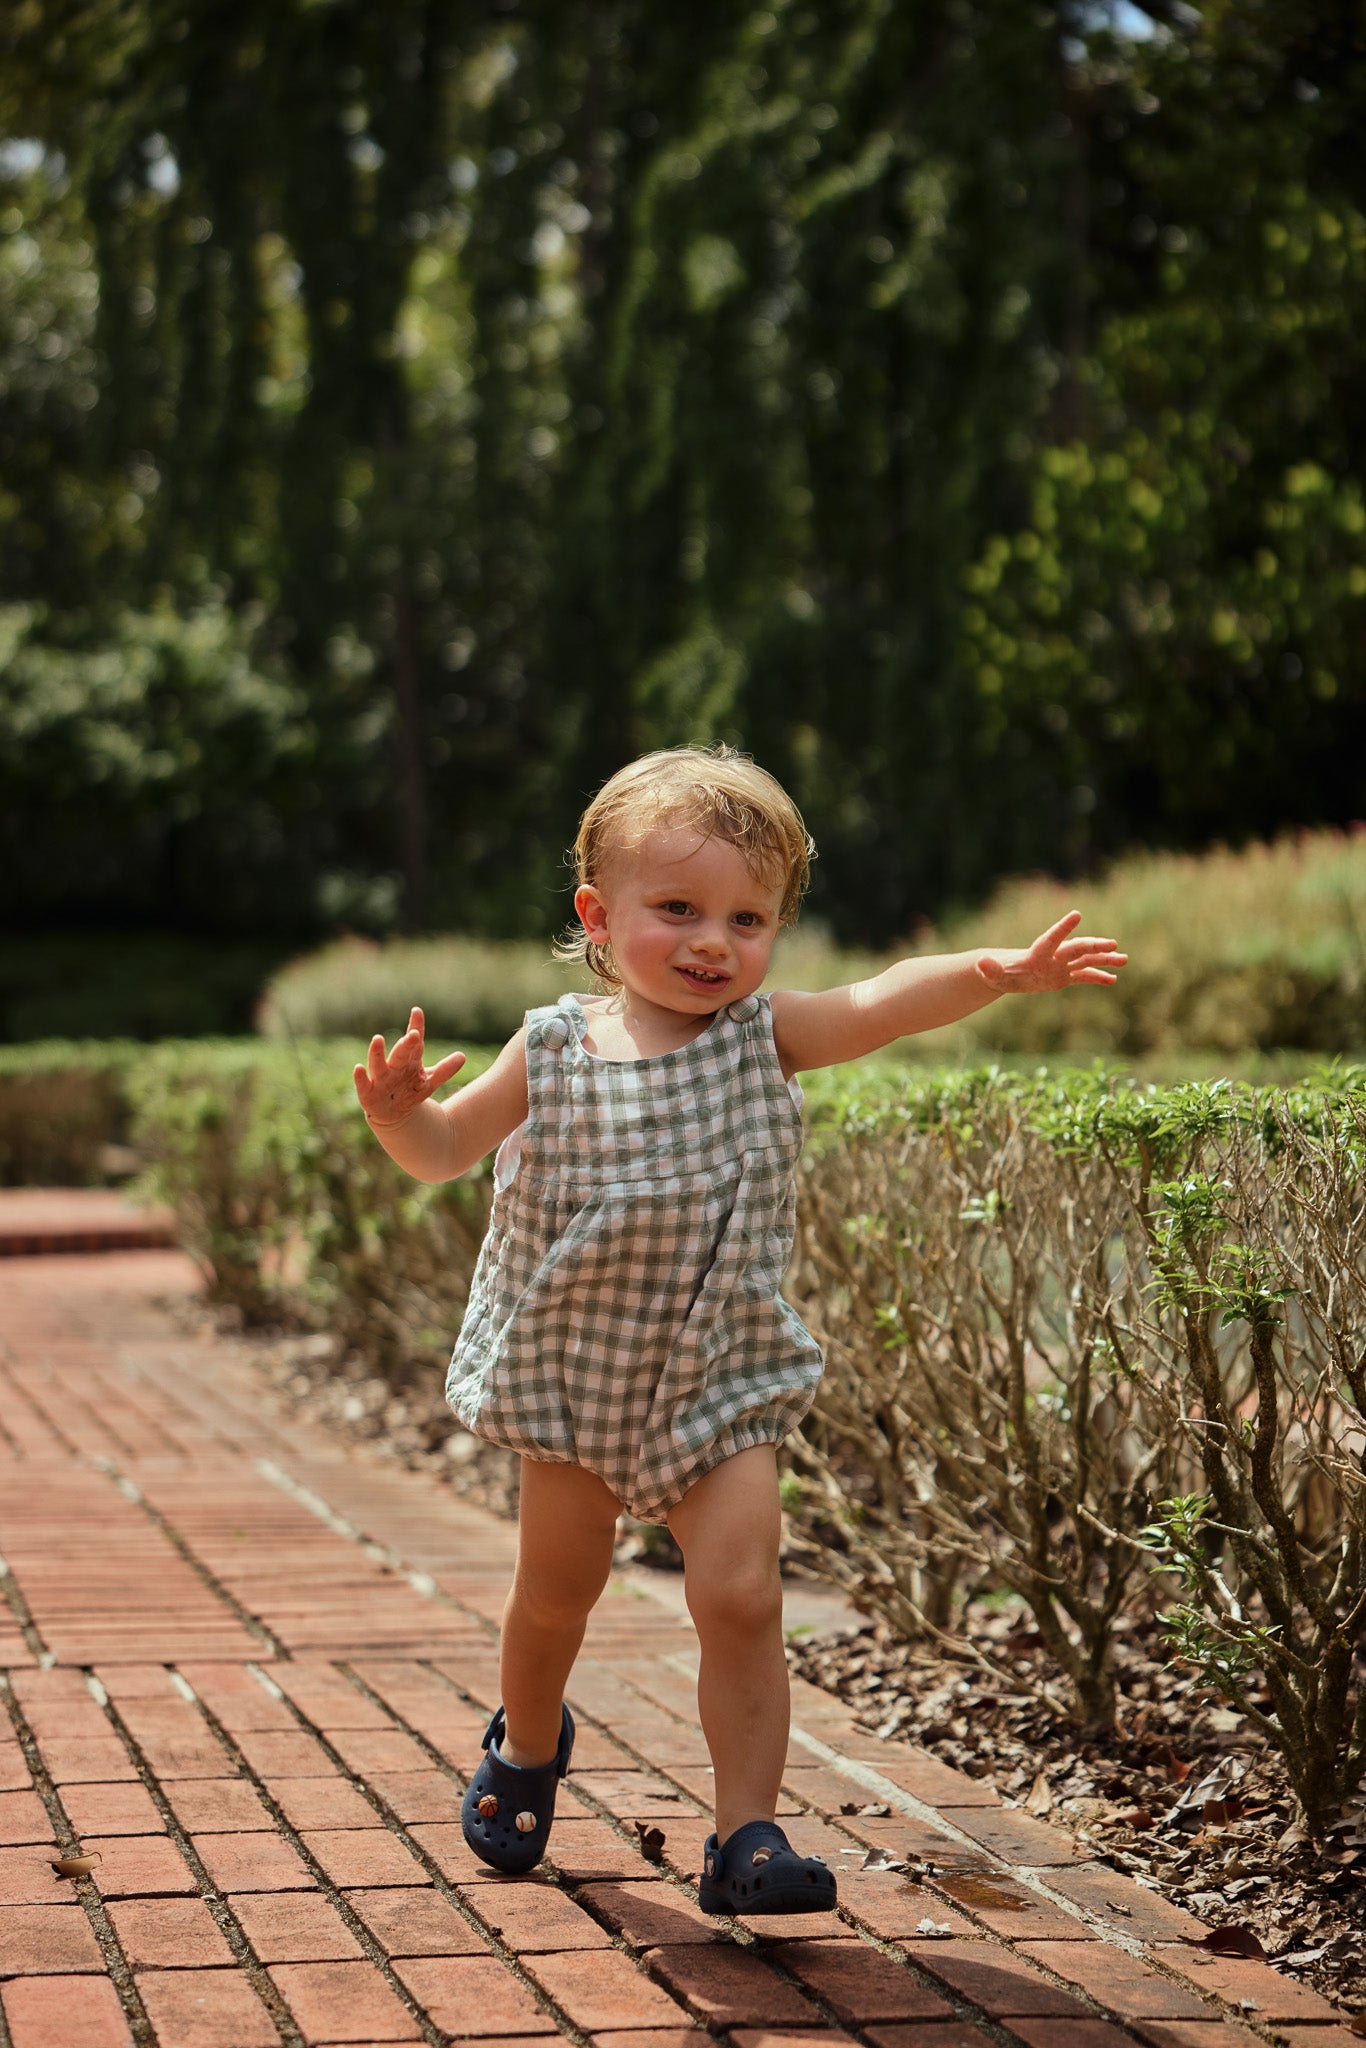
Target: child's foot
[
  {"x": 759, "y": 1871},
  {"x": 506, "y": 1814}
]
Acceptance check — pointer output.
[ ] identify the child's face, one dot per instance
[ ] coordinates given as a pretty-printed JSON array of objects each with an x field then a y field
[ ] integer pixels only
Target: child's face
[{"x": 690, "y": 926}]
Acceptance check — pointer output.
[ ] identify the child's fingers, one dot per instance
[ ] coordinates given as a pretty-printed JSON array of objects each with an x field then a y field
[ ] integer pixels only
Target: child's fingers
[
  {"x": 1094, "y": 974},
  {"x": 376, "y": 1061},
  {"x": 443, "y": 1069},
  {"x": 1056, "y": 933}
]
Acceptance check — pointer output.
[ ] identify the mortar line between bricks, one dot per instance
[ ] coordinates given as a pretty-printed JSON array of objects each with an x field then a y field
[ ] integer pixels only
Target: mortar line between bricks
[
  {"x": 244, "y": 1955},
  {"x": 431, "y": 2032},
  {"x": 69, "y": 1843},
  {"x": 131, "y": 1491},
  {"x": 19, "y": 1608}
]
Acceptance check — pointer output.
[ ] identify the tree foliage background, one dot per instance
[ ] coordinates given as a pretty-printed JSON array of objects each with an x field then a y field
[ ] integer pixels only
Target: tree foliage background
[{"x": 408, "y": 413}]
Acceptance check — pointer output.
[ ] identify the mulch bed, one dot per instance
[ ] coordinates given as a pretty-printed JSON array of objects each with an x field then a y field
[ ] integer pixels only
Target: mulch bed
[{"x": 1185, "y": 1795}]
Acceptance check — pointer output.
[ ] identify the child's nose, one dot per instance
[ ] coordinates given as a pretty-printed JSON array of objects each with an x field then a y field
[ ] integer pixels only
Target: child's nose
[{"x": 711, "y": 939}]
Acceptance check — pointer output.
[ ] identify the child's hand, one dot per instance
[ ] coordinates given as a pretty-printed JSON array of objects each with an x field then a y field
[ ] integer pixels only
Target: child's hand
[
  {"x": 1056, "y": 960},
  {"x": 390, "y": 1089}
]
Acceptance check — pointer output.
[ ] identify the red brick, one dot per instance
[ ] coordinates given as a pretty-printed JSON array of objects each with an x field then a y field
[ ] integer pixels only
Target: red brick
[
  {"x": 893, "y": 1909},
  {"x": 1118, "y": 1981},
  {"x": 89, "y": 1761},
  {"x": 174, "y": 1757},
  {"x": 218, "y": 1806},
  {"x": 206, "y": 2009},
  {"x": 858, "y": 1982},
  {"x": 916, "y": 2034},
  {"x": 322, "y": 1803},
  {"x": 1235, "y": 1979},
  {"x": 378, "y": 1749},
  {"x": 695, "y": 2037},
  {"x": 1013, "y": 1836},
  {"x": 1210, "y": 2034},
  {"x": 250, "y": 1712},
  {"x": 413, "y": 1922},
  {"x": 636, "y": 1795},
  {"x": 996, "y": 1979},
  {"x": 26, "y": 1877},
  {"x": 601, "y": 1988},
  {"x": 23, "y": 1818},
  {"x": 532, "y": 1917},
  {"x": 331, "y": 2001},
  {"x": 295, "y": 1927},
  {"x": 214, "y": 1683},
  {"x": 119, "y": 1809},
  {"x": 364, "y": 1856},
  {"x": 282, "y": 1755},
  {"x": 650, "y": 1915},
  {"x": 451, "y": 1854},
  {"x": 1010, "y": 1908},
  {"x": 1123, "y": 1903},
  {"x": 14, "y": 1771},
  {"x": 253, "y": 1863},
  {"x": 938, "y": 1784},
  {"x": 587, "y": 1849},
  {"x": 168, "y": 1934},
  {"x": 776, "y": 2037},
  {"x": 417, "y": 1795},
  {"x": 60, "y": 2012},
  {"x": 473, "y": 1996},
  {"x": 327, "y": 1700},
  {"x": 1091, "y": 2033},
  {"x": 731, "y": 1987},
  {"x": 43, "y": 1940},
  {"x": 73, "y": 1720},
  {"x": 139, "y": 1866}
]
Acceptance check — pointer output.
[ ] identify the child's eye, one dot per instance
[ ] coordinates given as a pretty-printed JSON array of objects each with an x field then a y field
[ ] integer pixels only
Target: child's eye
[
  {"x": 677, "y": 908},
  {"x": 749, "y": 918}
]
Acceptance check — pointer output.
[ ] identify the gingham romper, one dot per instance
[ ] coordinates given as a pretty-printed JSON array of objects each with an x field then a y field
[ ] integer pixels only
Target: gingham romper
[{"x": 624, "y": 1314}]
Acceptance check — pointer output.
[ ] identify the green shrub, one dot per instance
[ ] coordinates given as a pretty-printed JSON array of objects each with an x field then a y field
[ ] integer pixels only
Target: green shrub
[
  {"x": 474, "y": 989},
  {"x": 1228, "y": 951},
  {"x": 1074, "y": 1328},
  {"x": 293, "y": 1212},
  {"x": 61, "y": 1106}
]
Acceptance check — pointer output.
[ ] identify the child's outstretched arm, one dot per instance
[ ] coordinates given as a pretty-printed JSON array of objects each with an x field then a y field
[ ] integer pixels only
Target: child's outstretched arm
[
  {"x": 437, "y": 1141},
  {"x": 820, "y": 1030}
]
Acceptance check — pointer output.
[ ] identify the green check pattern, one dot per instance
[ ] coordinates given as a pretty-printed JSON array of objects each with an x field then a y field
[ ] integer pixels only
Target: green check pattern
[{"x": 625, "y": 1314}]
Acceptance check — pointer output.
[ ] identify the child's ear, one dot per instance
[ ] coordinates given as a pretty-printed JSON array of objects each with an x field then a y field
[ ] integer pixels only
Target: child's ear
[{"x": 591, "y": 912}]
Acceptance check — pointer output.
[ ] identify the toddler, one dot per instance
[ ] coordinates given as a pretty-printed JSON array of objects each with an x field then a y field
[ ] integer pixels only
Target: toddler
[{"x": 625, "y": 1332}]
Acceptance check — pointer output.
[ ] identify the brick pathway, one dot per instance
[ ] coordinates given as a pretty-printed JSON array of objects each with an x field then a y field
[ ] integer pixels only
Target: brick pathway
[{"x": 250, "y": 1668}]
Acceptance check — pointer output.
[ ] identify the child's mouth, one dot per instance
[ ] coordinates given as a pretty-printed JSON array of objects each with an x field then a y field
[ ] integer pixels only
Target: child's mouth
[{"x": 704, "y": 977}]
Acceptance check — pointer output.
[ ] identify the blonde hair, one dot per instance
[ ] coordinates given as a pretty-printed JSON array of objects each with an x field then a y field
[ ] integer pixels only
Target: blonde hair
[{"x": 724, "y": 794}]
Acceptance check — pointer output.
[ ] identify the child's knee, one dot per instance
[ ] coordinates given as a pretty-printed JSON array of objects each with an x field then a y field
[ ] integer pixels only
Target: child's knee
[{"x": 736, "y": 1599}]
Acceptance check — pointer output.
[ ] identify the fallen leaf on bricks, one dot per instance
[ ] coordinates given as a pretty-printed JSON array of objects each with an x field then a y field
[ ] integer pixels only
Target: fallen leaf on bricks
[
  {"x": 875, "y": 1812},
  {"x": 1040, "y": 1798},
  {"x": 76, "y": 1866},
  {"x": 882, "y": 1859},
  {"x": 934, "y": 1930},
  {"x": 651, "y": 1841}
]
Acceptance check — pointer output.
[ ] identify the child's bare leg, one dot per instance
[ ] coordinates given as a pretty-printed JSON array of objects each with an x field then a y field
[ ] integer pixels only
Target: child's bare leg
[
  {"x": 566, "y": 1524},
  {"x": 728, "y": 1528}
]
